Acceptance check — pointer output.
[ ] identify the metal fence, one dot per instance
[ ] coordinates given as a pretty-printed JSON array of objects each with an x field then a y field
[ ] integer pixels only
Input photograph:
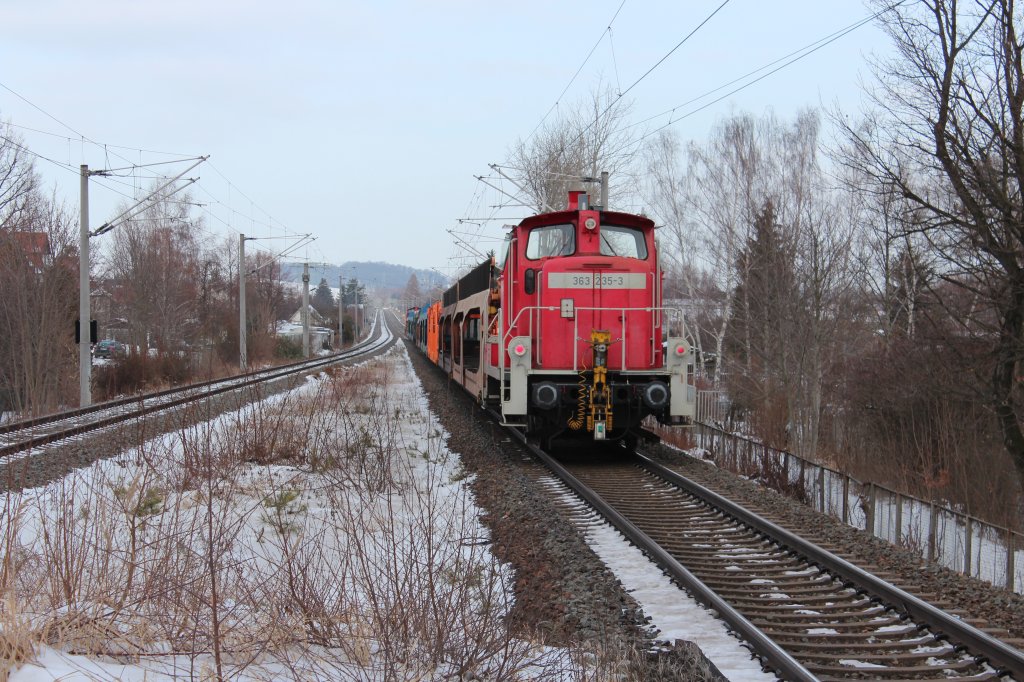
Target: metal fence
[{"x": 940, "y": 534}]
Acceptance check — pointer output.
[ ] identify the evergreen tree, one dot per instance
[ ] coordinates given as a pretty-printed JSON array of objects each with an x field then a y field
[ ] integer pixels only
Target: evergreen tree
[
  {"x": 353, "y": 292},
  {"x": 762, "y": 302},
  {"x": 323, "y": 300}
]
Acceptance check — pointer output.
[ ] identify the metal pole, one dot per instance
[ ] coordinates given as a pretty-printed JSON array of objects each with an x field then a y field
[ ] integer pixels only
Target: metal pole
[
  {"x": 84, "y": 314},
  {"x": 604, "y": 190},
  {"x": 341, "y": 310},
  {"x": 305, "y": 310},
  {"x": 242, "y": 360}
]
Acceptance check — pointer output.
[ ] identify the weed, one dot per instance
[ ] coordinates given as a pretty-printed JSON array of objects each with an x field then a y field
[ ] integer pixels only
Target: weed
[
  {"x": 280, "y": 501},
  {"x": 460, "y": 474}
]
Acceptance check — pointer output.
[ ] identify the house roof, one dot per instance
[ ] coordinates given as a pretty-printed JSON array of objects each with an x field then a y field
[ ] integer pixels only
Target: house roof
[{"x": 315, "y": 318}]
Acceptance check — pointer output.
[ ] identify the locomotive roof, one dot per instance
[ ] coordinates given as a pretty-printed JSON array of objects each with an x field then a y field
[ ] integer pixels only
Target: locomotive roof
[{"x": 613, "y": 217}]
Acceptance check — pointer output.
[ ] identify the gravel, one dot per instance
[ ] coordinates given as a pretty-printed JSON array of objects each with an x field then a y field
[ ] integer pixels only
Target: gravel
[
  {"x": 564, "y": 592},
  {"x": 969, "y": 597}
]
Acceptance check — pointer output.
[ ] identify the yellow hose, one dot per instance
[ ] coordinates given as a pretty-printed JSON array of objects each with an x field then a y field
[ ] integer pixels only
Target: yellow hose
[{"x": 576, "y": 423}]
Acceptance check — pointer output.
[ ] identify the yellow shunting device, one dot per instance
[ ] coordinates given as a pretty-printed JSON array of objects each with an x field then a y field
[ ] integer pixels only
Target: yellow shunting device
[{"x": 595, "y": 401}]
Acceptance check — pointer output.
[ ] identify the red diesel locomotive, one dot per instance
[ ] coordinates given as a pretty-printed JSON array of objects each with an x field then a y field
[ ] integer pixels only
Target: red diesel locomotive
[{"x": 567, "y": 336}]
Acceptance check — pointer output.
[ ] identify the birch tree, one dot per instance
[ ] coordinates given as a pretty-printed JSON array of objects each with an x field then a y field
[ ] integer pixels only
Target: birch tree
[{"x": 948, "y": 134}]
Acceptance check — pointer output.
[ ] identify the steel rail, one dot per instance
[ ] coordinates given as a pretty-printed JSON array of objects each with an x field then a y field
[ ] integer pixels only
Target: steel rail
[
  {"x": 41, "y": 420},
  {"x": 190, "y": 393},
  {"x": 770, "y": 652},
  {"x": 1003, "y": 657}
]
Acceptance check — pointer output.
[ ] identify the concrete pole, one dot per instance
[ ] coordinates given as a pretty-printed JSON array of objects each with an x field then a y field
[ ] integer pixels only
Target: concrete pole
[
  {"x": 604, "y": 190},
  {"x": 242, "y": 360},
  {"x": 84, "y": 314},
  {"x": 305, "y": 310},
  {"x": 341, "y": 310}
]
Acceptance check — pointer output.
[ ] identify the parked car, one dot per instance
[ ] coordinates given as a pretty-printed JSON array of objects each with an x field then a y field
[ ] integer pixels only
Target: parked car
[{"x": 108, "y": 348}]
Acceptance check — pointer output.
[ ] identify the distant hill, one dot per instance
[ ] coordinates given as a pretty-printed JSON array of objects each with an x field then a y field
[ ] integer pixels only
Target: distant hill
[{"x": 374, "y": 276}]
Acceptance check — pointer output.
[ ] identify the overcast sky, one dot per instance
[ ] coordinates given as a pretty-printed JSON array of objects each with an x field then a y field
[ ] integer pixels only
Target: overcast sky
[{"x": 365, "y": 123}]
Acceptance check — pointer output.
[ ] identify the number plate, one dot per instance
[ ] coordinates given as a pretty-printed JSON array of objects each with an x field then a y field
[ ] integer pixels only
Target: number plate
[{"x": 602, "y": 280}]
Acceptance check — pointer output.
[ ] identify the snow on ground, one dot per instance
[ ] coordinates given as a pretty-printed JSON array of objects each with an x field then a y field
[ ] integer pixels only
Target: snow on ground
[
  {"x": 364, "y": 559},
  {"x": 671, "y": 610},
  {"x": 357, "y": 572}
]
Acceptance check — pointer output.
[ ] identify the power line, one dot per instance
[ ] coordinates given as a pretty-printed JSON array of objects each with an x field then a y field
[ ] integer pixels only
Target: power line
[
  {"x": 787, "y": 60},
  {"x": 572, "y": 80},
  {"x": 25, "y": 149},
  {"x": 105, "y": 145},
  {"x": 44, "y": 112},
  {"x": 109, "y": 180},
  {"x": 669, "y": 53},
  {"x": 619, "y": 97}
]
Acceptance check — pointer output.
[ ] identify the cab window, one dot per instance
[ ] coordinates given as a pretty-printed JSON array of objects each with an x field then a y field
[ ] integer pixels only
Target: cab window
[
  {"x": 553, "y": 240},
  {"x": 627, "y": 242},
  {"x": 503, "y": 253}
]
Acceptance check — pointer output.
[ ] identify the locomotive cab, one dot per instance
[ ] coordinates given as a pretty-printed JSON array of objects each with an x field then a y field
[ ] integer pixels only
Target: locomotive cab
[{"x": 579, "y": 347}]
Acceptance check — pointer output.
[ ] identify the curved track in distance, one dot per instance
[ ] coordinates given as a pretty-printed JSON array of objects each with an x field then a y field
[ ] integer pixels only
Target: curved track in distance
[{"x": 24, "y": 436}]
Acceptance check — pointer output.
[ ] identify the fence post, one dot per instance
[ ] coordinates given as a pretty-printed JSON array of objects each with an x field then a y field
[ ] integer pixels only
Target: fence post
[
  {"x": 933, "y": 514},
  {"x": 968, "y": 532},
  {"x": 870, "y": 511},
  {"x": 1010, "y": 548},
  {"x": 803, "y": 471},
  {"x": 846, "y": 499},
  {"x": 899, "y": 518},
  {"x": 821, "y": 489}
]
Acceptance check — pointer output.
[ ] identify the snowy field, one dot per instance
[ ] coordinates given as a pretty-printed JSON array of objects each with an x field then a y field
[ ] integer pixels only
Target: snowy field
[{"x": 322, "y": 534}]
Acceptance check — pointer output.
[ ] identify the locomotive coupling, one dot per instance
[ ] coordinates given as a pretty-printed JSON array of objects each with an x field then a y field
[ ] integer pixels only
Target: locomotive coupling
[{"x": 599, "y": 413}]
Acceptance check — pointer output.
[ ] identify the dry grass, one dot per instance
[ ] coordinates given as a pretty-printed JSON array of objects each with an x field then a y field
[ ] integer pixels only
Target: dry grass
[{"x": 306, "y": 535}]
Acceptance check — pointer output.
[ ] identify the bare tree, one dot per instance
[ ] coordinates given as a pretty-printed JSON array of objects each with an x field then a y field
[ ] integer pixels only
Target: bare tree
[
  {"x": 154, "y": 269},
  {"x": 590, "y": 138},
  {"x": 411, "y": 295},
  {"x": 18, "y": 179},
  {"x": 708, "y": 210},
  {"x": 38, "y": 275},
  {"x": 755, "y": 235},
  {"x": 948, "y": 135}
]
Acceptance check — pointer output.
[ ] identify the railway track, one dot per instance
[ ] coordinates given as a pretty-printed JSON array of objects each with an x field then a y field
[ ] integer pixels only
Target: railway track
[
  {"x": 24, "y": 437},
  {"x": 807, "y": 613}
]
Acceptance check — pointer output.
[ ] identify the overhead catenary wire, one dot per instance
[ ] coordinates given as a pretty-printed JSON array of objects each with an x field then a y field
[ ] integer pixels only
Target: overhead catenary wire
[
  {"x": 143, "y": 204},
  {"x": 779, "y": 64},
  {"x": 649, "y": 71},
  {"x": 108, "y": 180},
  {"x": 787, "y": 60},
  {"x": 606, "y": 31},
  {"x": 82, "y": 137},
  {"x": 617, "y": 99},
  {"x": 105, "y": 144}
]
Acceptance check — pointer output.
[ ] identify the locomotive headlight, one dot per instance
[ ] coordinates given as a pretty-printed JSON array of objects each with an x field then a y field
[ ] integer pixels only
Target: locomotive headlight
[
  {"x": 519, "y": 349},
  {"x": 590, "y": 223},
  {"x": 680, "y": 350}
]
